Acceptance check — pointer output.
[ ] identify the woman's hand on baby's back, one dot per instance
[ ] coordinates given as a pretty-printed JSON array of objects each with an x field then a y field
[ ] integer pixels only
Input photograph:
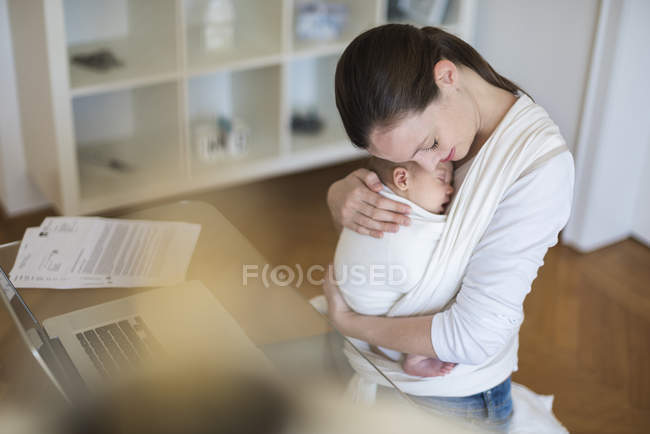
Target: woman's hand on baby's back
[{"x": 355, "y": 203}]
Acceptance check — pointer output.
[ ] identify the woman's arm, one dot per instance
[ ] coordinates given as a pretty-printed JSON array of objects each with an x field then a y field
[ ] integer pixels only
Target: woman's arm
[
  {"x": 411, "y": 335},
  {"x": 489, "y": 306},
  {"x": 488, "y": 309},
  {"x": 355, "y": 203}
]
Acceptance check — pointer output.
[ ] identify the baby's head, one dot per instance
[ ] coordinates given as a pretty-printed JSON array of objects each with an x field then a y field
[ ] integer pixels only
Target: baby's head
[{"x": 430, "y": 190}]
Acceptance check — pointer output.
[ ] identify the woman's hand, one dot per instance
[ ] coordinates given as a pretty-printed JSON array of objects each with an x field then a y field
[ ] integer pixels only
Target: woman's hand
[
  {"x": 337, "y": 308},
  {"x": 355, "y": 203}
]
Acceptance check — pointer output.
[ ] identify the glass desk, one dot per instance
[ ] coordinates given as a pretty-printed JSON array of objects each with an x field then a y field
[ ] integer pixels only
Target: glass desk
[{"x": 279, "y": 321}]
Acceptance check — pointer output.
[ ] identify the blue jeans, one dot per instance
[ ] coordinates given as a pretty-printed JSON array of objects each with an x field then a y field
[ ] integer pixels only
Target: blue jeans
[{"x": 491, "y": 409}]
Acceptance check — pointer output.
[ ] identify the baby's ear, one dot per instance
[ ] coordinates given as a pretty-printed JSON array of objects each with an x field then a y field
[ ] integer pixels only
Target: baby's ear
[{"x": 401, "y": 178}]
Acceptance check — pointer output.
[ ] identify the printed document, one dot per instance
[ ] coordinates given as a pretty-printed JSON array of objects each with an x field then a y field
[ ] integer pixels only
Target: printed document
[{"x": 84, "y": 252}]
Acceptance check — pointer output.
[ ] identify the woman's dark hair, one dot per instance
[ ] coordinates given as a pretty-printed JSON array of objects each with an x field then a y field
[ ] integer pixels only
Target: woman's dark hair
[{"x": 386, "y": 73}]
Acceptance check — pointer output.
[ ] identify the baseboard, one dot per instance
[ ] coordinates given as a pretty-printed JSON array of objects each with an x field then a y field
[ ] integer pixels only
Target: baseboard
[{"x": 589, "y": 246}]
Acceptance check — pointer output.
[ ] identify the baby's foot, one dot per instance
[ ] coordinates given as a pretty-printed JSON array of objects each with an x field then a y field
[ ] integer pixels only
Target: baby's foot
[{"x": 421, "y": 366}]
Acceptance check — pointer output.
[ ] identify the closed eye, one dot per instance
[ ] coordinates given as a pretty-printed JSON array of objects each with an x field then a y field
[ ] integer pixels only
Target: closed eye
[{"x": 432, "y": 147}]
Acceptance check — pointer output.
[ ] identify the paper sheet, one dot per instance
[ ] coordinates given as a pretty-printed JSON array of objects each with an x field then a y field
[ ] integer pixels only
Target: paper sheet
[{"x": 82, "y": 252}]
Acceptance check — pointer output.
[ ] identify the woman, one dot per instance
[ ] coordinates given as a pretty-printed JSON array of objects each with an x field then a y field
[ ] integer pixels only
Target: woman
[{"x": 408, "y": 94}]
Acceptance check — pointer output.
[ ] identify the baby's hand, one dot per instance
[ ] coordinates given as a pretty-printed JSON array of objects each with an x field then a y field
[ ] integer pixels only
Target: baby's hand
[{"x": 421, "y": 366}]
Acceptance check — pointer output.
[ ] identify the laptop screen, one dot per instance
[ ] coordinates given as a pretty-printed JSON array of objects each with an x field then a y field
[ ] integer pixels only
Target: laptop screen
[
  {"x": 25, "y": 318},
  {"x": 31, "y": 333}
]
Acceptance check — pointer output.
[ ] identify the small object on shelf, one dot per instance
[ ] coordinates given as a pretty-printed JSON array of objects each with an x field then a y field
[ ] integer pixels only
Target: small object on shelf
[
  {"x": 100, "y": 157},
  {"x": 119, "y": 165},
  {"x": 101, "y": 60},
  {"x": 207, "y": 141},
  {"x": 306, "y": 123},
  {"x": 238, "y": 138},
  {"x": 422, "y": 12},
  {"x": 219, "y": 25},
  {"x": 396, "y": 11},
  {"x": 320, "y": 21},
  {"x": 215, "y": 141}
]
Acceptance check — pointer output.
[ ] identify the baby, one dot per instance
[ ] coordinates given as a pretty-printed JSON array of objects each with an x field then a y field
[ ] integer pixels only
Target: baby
[{"x": 358, "y": 256}]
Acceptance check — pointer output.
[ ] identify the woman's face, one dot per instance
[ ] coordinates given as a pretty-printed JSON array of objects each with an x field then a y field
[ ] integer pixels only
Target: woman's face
[{"x": 444, "y": 131}]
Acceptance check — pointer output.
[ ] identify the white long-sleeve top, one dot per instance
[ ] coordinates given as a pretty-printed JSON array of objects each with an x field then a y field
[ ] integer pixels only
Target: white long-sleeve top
[{"x": 488, "y": 310}]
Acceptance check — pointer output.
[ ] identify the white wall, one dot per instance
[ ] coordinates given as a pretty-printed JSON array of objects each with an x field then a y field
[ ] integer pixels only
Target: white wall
[
  {"x": 17, "y": 193},
  {"x": 641, "y": 225},
  {"x": 613, "y": 147},
  {"x": 544, "y": 47}
]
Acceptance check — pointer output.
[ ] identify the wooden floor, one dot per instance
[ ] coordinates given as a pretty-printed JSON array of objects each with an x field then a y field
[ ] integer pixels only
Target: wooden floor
[{"x": 586, "y": 336}]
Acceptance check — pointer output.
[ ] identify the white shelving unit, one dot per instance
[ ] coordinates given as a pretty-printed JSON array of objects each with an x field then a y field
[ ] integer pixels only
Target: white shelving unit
[{"x": 101, "y": 140}]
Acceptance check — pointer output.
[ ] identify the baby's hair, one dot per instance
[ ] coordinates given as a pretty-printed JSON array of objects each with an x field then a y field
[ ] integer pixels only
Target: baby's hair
[{"x": 384, "y": 168}]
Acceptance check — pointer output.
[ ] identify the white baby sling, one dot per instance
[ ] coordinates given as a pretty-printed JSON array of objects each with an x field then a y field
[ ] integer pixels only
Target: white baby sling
[{"x": 524, "y": 140}]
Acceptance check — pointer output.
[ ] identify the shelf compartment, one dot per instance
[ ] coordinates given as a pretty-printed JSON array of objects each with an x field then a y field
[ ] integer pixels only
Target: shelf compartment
[
  {"x": 141, "y": 34},
  {"x": 127, "y": 142},
  {"x": 250, "y": 96},
  {"x": 311, "y": 90},
  {"x": 255, "y": 29},
  {"x": 451, "y": 19},
  {"x": 362, "y": 15}
]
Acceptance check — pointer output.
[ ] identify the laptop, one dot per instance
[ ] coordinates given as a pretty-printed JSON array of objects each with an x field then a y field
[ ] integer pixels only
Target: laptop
[{"x": 87, "y": 349}]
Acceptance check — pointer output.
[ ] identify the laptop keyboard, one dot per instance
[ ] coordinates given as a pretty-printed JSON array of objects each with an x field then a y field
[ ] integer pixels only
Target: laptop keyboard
[{"x": 119, "y": 346}]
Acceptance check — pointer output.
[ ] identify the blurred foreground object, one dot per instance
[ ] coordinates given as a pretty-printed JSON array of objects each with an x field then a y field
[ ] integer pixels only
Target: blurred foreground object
[
  {"x": 234, "y": 402},
  {"x": 182, "y": 402}
]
